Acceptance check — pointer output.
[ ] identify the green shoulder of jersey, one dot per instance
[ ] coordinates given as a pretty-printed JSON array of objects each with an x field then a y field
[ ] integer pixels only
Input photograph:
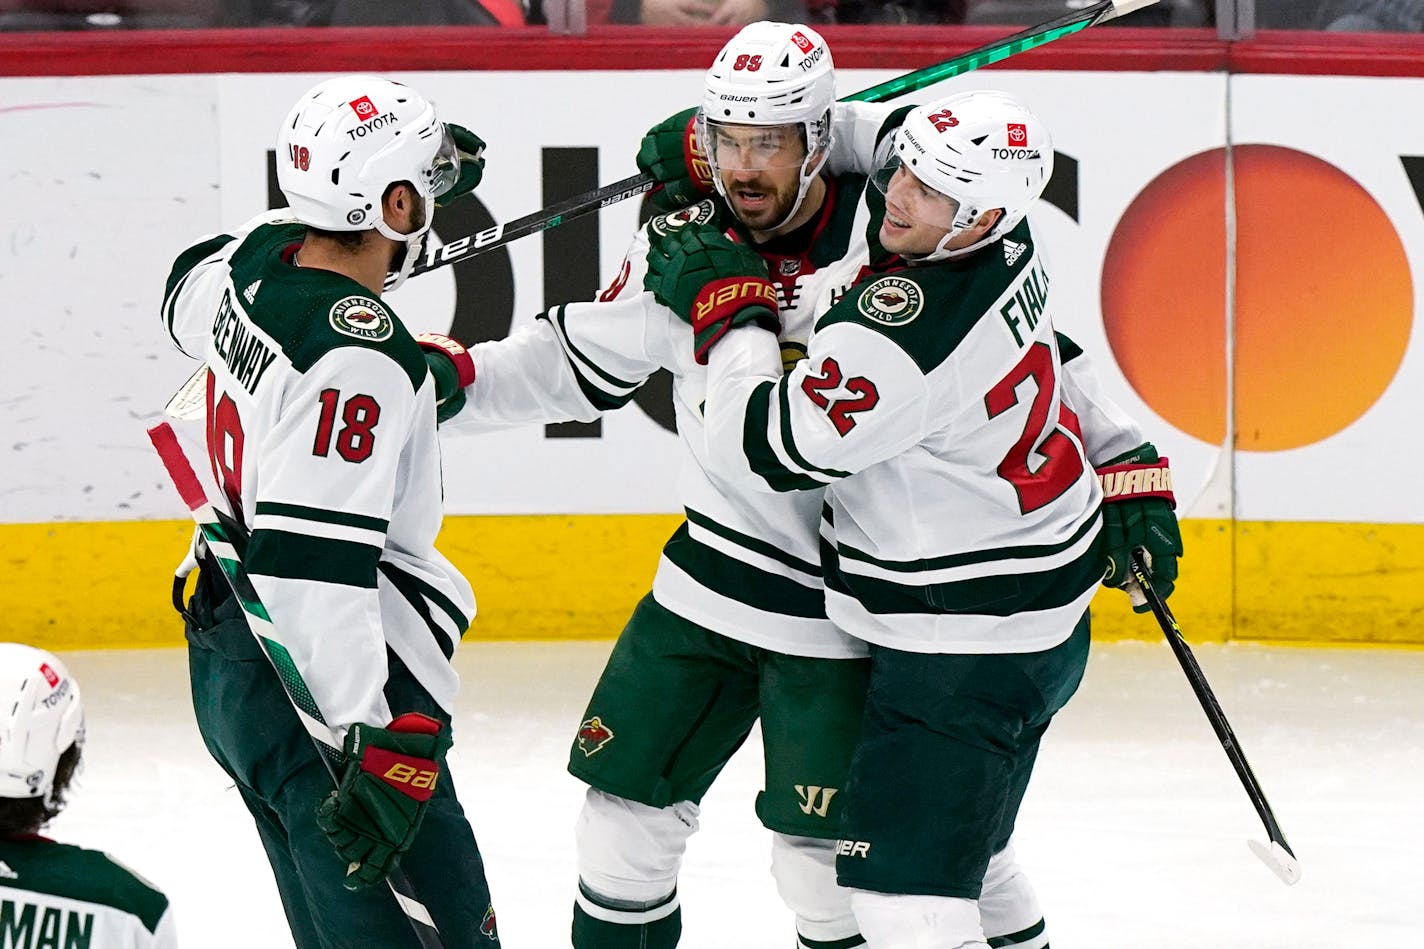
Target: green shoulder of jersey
[
  {"x": 311, "y": 312},
  {"x": 89, "y": 876},
  {"x": 928, "y": 310}
]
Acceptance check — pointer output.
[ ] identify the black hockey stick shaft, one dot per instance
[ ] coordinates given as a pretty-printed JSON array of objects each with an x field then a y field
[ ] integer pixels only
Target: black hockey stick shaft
[
  {"x": 1197, "y": 679},
  {"x": 222, "y": 536},
  {"x": 1034, "y": 36}
]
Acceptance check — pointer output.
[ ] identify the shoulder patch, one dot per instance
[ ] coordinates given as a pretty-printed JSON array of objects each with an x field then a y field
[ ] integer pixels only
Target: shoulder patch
[
  {"x": 361, "y": 317},
  {"x": 703, "y": 212},
  {"x": 891, "y": 301}
]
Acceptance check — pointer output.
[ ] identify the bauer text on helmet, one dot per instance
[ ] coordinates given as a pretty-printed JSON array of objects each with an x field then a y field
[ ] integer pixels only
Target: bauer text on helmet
[
  {"x": 765, "y": 119},
  {"x": 955, "y": 161}
]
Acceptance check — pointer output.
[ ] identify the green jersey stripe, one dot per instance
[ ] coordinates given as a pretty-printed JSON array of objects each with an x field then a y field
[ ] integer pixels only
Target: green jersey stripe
[
  {"x": 597, "y": 394},
  {"x": 788, "y": 440},
  {"x": 1022, "y": 552},
  {"x": 1004, "y": 595},
  {"x": 322, "y": 515},
  {"x": 753, "y": 544},
  {"x": 276, "y": 553},
  {"x": 756, "y": 446},
  {"x": 183, "y": 266},
  {"x": 410, "y": 589},
  {"x": 446, "y": 605},
  {"x": 741, "y": 581}
]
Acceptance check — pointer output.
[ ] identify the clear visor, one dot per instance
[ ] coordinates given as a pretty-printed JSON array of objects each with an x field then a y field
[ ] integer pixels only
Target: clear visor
[
  {"x": 910, "y": 199},
  {"x": 444, "y": 169},
  {"x": 754, "y": 147}
]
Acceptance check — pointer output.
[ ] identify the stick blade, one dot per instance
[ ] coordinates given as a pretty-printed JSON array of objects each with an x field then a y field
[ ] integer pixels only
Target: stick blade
[{"x": 1281, "y": 861}]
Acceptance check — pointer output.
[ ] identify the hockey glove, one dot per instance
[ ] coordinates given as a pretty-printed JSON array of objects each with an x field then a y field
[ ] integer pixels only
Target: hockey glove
[
  {"x": 1137, "y": 512},
  {"x": 671, "y": 153},
  {"x": 374, "y": 814},
  {"x": 711, "y": 282},
  {"x": 470, "y": 149},
  {"x": 452, "y": 367}
]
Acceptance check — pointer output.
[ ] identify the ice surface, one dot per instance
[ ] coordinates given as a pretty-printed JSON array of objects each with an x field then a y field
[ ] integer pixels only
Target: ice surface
[{"x": 1133, "y": 831}]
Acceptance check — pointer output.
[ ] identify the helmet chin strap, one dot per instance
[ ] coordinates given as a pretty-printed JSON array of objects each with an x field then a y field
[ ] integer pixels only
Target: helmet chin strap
[
  {"x": 413, "y": 241},
  {"x": 808, "y": 175},
  {"x": 958, "y": 227}
]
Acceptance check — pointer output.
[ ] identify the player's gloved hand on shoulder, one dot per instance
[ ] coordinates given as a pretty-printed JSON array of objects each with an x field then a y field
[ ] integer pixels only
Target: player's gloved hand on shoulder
[
  {"x": 671, "y": 153},
  {"x": 374, "y": 814},
  {"x": 1138, "y": 512},
  {"x": 712, "y": 282},
  {"x": 470, "y": 150},
  {"x": 452, "y": 367}
]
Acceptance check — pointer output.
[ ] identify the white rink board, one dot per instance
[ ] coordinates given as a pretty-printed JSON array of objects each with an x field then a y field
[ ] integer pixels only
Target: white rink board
[{"x": 106, "y": 179}]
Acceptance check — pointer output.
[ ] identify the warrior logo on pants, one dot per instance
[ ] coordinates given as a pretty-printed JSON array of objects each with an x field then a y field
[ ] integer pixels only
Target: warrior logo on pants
[
  {"x": 815, "y": 799},
  {"x": 593, "y": 735}
]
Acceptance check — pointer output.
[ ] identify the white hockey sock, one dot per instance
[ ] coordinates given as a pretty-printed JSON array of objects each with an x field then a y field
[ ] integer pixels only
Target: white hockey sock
[
  {"x": 1008, "y": 906},
  {"x": 805, "y": 872},
  {"x": 900, "y": 921}
]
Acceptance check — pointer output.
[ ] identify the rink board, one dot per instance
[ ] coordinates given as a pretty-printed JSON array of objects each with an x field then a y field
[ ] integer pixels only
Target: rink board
[
  {"x": 1283, "y": 384},
  {"x": 578, "y": 577}
]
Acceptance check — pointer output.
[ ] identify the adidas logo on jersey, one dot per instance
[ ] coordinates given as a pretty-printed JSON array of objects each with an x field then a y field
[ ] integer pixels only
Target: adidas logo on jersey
[
  {"x": 1013, "y": 251},
  {"x": 250, "y": 293}
]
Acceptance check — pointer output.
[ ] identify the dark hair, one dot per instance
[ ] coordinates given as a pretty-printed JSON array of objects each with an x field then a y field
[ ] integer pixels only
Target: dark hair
[{"x": 26, "y": 815}]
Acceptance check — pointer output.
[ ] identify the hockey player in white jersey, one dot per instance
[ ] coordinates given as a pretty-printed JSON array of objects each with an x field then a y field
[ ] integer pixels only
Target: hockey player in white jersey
[
  {"x": 54, "y": 894},
  {"x": 320, "y": 427},
  {"x": 963, "y": 534},
  {"x": 735, "y": 625}
]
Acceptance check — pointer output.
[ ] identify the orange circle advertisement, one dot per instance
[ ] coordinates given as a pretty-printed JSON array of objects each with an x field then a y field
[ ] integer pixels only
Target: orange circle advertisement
[{"x": 1324, "y": 298}]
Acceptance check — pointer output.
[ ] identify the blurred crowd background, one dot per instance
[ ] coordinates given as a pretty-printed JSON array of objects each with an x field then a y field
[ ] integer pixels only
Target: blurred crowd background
[{"x": 47, "y": 15}]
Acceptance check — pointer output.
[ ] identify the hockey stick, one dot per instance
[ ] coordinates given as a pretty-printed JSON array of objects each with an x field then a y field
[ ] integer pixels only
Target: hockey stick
[
  {"x": 1034, "y": 36},
  {"x": 1276, "y": 854},
  {"x": 220, "y": 532}
]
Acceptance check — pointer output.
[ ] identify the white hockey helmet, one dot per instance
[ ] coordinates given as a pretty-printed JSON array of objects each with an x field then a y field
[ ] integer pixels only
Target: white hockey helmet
[
  {"x": 985, "y": 150},
  {"x": 349, "y": 139},
  {"x": 772, "y": 74},
  {"x": 40, "y": 718}
]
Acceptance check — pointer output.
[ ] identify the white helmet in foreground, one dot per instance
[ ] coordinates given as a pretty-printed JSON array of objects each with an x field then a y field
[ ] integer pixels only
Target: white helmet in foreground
[
  {"x": 40, "y": 719},
  {"x": 771, "y": 74},
  {"x": 983, "y": 149},
  {"x": 349, "y": 139}
]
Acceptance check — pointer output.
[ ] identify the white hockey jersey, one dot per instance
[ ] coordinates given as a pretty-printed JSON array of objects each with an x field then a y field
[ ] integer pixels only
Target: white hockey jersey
[
  {"x": 964, "y": 515},
  {"x": 746, "y": 563},
  {"x": 54, "y": 894},
  {"x": 321, "y": 435}
]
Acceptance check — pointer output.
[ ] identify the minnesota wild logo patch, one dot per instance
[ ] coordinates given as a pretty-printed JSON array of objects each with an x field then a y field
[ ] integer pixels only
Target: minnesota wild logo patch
[
  {"x": 361, "y": 317},
  {"x": 703, "y": 212},
  {"x": 891, "y": 301}
]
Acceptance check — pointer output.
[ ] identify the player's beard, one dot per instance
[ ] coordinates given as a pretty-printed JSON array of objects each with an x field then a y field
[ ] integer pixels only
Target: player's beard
[{"x": 769, "y": 210}]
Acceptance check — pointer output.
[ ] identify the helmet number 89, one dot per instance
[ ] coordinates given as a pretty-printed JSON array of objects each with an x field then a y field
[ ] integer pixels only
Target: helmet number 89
[{"x": 748, "y": 62}]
